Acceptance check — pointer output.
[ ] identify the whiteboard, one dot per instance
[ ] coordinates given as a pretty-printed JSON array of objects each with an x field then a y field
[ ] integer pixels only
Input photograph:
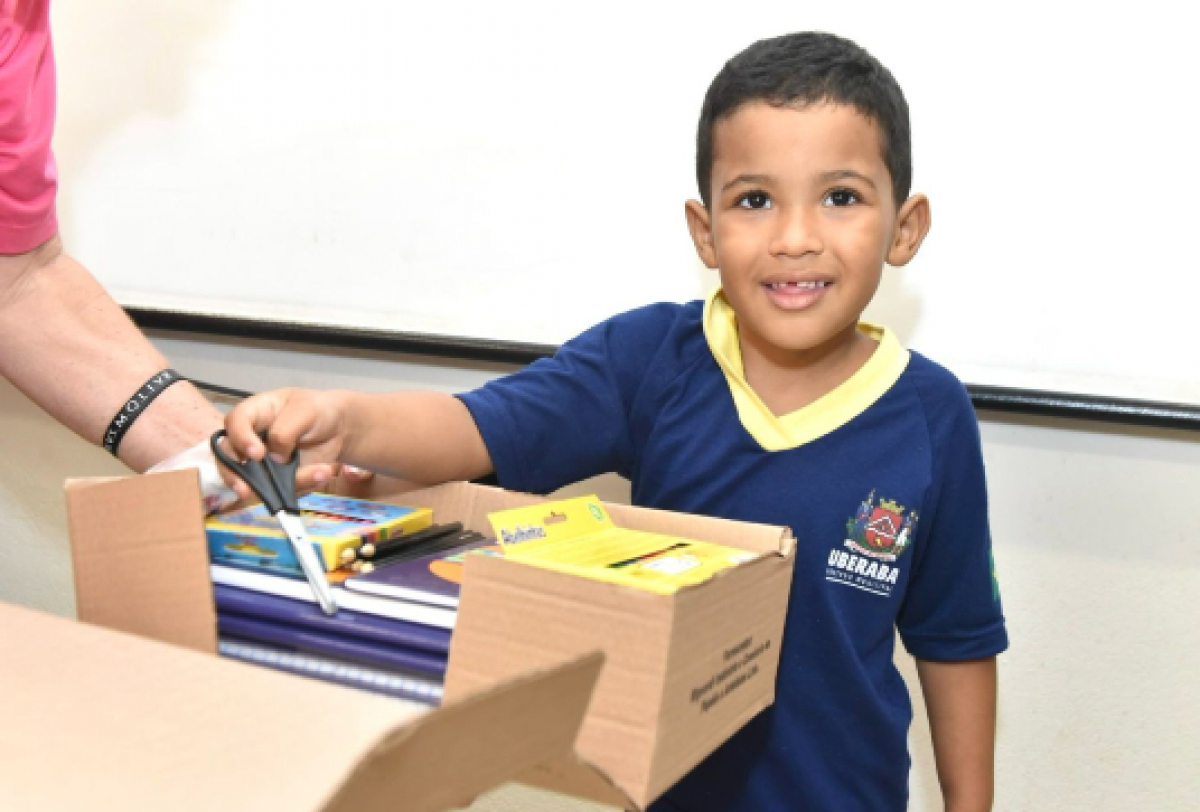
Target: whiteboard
[{"x": 517, "y": 170}]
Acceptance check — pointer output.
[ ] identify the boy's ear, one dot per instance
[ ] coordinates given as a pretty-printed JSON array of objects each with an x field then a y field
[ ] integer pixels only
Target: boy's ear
[
  {"x": 912, "y": 224},
  {"x": 700, "y": 225}
]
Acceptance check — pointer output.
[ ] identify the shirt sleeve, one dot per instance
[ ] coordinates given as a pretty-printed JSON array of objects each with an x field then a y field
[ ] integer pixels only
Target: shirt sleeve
[
  {"x": 952, "y": 609},
  {"x": 566, "y": 418},
  {"x": 28, "y": 177}
]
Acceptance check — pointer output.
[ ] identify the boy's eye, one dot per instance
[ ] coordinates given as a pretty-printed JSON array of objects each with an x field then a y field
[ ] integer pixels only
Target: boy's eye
[
  {"x": 841, "y": 197},
  {"x": 754, "y": 200}
]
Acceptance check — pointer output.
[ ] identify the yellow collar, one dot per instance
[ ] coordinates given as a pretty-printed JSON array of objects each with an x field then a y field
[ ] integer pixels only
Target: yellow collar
[{"x": 829, "y": 412}]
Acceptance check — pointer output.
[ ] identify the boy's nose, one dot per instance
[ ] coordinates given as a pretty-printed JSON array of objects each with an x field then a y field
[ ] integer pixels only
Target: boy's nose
[{"x": 796, "y": 233}]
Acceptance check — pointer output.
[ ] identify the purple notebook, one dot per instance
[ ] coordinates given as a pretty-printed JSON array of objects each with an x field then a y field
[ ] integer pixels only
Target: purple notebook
[
  {"x": 405, "y": 660},
  {"x": 427, "y": 690},
  {"x": 346, "y": 623},
  {"x": 434, "y": 579}
]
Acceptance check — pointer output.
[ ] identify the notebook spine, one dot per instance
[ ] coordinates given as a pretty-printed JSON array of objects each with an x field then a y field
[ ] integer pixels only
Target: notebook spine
[{"x": 352, "y": 675}]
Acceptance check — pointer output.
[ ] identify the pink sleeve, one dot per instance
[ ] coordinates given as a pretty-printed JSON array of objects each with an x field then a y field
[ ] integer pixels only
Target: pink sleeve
[{"x": 28, "y": 177}]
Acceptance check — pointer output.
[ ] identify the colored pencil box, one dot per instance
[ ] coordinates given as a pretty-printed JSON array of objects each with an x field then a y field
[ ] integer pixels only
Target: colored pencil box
[
  {"x": 253, "y": 537},
  {"x": 577, "y": 536}
]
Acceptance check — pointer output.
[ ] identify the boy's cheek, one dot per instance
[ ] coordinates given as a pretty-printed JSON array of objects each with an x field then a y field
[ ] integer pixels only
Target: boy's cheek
[{"x": 735, "y": 247}]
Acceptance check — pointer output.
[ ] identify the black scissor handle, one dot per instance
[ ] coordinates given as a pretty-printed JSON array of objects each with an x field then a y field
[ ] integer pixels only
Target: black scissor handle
[{"x": 274, "y": 482}]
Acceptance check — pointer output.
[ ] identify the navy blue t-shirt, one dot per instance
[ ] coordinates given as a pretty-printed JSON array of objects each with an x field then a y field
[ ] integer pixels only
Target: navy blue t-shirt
[{"x": 889, "y": 511}]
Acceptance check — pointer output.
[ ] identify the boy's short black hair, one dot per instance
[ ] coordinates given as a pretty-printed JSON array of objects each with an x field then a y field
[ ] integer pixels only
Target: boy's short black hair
[{"x": 807, "y": 68}]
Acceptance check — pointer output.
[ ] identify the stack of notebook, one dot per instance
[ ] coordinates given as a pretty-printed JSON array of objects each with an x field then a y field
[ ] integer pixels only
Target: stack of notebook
[
  {"x": 398, "y": 595},
  {"x": 391, "y": 634}
]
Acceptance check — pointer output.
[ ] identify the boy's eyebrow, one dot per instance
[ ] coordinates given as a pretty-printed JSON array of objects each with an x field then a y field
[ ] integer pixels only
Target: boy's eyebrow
[
  {"x": 844, "y": 174},
  {"x": 822, "y": 177},
  {"x": 750, "y": 180}
]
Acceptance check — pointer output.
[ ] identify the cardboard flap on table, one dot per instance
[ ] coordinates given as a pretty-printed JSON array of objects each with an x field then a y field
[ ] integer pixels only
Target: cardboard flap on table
[{"x": 100, "y": 720}]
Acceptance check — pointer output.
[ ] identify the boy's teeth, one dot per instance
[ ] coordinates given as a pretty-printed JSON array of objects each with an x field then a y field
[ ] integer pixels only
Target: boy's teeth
[{"x": 806, "y": 285}]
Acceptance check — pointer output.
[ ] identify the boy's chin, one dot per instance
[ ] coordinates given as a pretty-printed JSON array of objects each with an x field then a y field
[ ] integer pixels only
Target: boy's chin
[{"x": 804, "y": 340}]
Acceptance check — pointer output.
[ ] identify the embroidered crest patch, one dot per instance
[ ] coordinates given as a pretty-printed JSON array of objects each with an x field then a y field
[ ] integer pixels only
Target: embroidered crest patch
[{"x": 876, "y": 536}]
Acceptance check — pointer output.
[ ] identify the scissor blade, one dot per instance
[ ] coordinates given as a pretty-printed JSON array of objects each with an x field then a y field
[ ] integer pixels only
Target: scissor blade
[{"x": 293, "y": 525}]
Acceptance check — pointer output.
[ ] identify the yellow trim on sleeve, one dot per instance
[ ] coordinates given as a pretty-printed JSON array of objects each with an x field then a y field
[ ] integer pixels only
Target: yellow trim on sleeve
[{"x": 824, "y": 415}]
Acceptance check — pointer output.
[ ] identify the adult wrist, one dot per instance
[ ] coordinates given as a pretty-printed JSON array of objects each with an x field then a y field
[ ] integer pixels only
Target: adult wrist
[{"x": 132, "y": 409}]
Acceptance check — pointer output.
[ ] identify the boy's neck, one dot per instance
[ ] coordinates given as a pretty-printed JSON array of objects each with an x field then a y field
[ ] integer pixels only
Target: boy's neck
[{"x": 788, "y": 380}]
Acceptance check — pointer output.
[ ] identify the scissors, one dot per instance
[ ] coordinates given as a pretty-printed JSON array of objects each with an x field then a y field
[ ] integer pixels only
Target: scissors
[{"x": 275, "y": 484}]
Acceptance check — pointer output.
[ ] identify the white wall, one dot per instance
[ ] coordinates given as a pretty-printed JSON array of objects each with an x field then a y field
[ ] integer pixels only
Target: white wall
[
  {"x": 1097, "y": 541},
  {"x": 351, "y": 163}
]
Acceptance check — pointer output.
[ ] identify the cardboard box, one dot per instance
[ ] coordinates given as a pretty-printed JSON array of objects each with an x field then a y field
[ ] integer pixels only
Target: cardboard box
[
  {"x": 683, "y": 672},
  {"x": 100, "y": 720}
]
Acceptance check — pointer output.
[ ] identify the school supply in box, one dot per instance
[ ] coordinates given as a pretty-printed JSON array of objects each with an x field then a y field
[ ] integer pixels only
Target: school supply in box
[
  {"x": 432, "y": 538},
  {"x": 384, "y": 631},
  {"x": 285, "y": 586},
  {"x": 375, "y": 641},
  {"x": 141, "y": 565},
  {"x": 577, "y": 536},
  {"x": 291, "y": 638},
  {"x": 434, "y": 578},
  {"x": 330, "y": 669},
  {"x": 395, "y": 657},
  {"x": 337, "y": 527},
  {"x": 275, "y": 483}
]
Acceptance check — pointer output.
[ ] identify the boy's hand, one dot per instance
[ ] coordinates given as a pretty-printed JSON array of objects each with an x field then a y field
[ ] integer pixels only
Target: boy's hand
[{"x": 305, "y": 420}]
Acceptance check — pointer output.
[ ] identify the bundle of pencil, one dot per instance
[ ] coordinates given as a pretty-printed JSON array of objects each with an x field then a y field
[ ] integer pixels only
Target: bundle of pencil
[{"x": 433, "y": 539}]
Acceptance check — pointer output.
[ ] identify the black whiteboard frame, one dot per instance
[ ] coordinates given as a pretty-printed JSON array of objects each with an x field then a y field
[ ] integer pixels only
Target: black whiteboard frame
[{"x": 1040, "y": 403}]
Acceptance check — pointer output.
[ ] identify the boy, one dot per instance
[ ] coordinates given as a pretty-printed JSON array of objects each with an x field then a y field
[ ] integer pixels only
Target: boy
[{"x": 769, "y": 402}]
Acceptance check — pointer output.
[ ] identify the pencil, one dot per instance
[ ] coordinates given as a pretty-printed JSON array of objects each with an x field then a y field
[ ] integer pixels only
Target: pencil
[
  {"x": 386, "y": 546},
  {"x": 437, "y": 545},
  {"x": 646, "y": 556}
]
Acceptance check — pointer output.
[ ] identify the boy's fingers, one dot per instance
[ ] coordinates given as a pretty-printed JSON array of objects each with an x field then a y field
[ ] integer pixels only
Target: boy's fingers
[
  {"x": 355, "y": 474},
  {"x": 291, "y": 424},
  {"x": 311, "y": 477},
  {"x": 236, "y": 483},
  {"x": 249, "y": 419}
]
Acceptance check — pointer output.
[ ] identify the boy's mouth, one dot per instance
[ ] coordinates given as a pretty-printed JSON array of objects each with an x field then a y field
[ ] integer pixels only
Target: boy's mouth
[{"x": 796, "y": 295}]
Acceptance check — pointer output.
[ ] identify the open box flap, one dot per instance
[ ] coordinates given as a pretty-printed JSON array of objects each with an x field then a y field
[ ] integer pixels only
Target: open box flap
[
  {"x": 99, "y": 720},
  {"x": 141, "y": 557},
  {"x": 469, "y": 746},
  {"x": 570, "y": 775}
]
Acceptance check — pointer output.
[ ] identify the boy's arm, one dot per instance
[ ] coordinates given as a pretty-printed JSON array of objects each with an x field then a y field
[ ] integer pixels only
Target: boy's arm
[
  {"x": 961, "y": 702},
  {"x": 424, "y": 437},
  {"x": 421, "y": 437}
]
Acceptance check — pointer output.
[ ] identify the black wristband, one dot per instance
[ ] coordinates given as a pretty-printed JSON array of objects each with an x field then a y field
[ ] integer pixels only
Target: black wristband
[{"x": 130, "y": 411}]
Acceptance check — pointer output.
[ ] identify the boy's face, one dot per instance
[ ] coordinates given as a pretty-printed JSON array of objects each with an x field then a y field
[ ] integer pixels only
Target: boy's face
[{"x": 800, "y": 224}]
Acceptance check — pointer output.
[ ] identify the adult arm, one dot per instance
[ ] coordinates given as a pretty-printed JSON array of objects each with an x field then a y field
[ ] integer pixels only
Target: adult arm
[
  {"x": 63, "y": 341},
  {"x": 73, "y": 351},
  {"x": 961, "y": 701}
]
